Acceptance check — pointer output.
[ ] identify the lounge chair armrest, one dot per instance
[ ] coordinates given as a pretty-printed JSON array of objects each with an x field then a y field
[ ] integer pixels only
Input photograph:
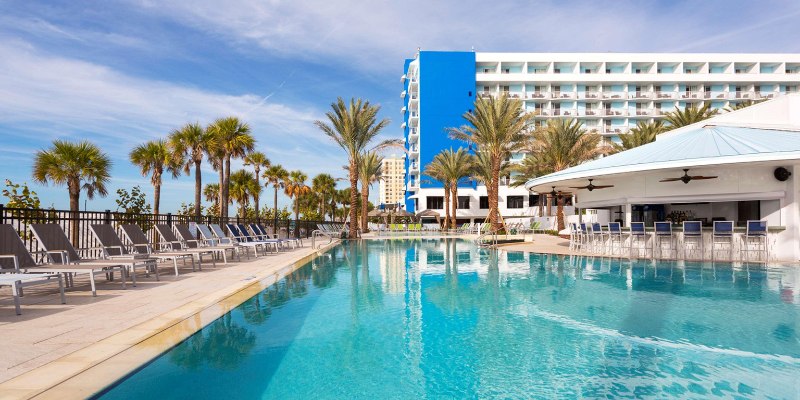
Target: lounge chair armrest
[
  {"x": 62, "y": 253},
  {"x": 12, "y": 257}
]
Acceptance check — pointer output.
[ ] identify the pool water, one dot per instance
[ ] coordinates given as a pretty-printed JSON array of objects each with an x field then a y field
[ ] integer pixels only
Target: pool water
[{"x": 433, "y": 318}]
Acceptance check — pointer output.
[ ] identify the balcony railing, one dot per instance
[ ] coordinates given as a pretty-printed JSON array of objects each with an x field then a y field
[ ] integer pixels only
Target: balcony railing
[
  {"x": 614, "y": 112},
  {"x": 614, "y": 130},
  {"x": 643, "y": 112},
  {"x": 589, "y": 95},
  {"x": 413, "y": 132},
  {"x": 485, "y": 95},
  {"x": 642, "y": 95},
  {"x": 564, "y": 112},
  {"x": 538, "y": 95},
  {"x": 613, "y": 95},
  {"x": 665, "y": 95},
  {"x": 515, "y": 95},
  {"x": 741, "y": 95},
  {"x": 714, "y": 95},
  {"x": 563, "y": 95}
]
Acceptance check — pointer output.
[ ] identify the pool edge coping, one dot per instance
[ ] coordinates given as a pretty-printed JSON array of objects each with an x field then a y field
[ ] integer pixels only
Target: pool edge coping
[{"x": 88, "y": 371}]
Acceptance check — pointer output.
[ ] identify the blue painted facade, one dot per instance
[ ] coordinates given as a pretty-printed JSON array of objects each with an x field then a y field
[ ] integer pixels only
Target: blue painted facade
[{"x": 447, "y": 85}]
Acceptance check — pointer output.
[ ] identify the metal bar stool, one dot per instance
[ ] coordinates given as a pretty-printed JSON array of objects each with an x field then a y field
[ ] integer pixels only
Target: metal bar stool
[
  {"x": 598, "y": 238},
  {"x": 639, "y": 236},
  {"x": 722, "y": 235},
  {"x": 756, "y": 234},
  {"x": 574, "y": 236},
  {"x": 663, "y": 232},
  {"x": 693, "y": 235},
  {"x": 614, "y": 235},
  {"x": 584, "y": 233}
]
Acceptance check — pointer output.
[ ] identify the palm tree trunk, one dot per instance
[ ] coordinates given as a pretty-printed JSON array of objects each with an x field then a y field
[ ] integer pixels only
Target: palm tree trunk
[
  {"x": 364, "y": 200},
  {"x": 74, "y": 208},
  {"x": 353, "y": 199},
  {"x": 560, "y": 212},
  {"x": 156, "y": 197},
  {"x": 322, "y": 208},
  {"x": 257, "y": 195},
  {"x": 550, "y": 206},
  {"x": 198, "y": 187},
  {"x": 494, "y": 204},
  {"x": 541, "y": 204},
  {"x": 221, "y": 185},
  {"x": 226, "y": 191},
  {"x": 454, "y": 200},
  {"x": 275, "y": 222},
  {"x": 446, "y": 207},
  {"x": 297, "y": 216}
]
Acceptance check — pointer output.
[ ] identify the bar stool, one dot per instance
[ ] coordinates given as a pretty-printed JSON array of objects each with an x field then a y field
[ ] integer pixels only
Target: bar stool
[
  {"x": 693, "y": 234},
  {"x": 722, "y": 235},
  {"x": 584, "y": 232},
  {"x": 639, "y": 236},
  {"x": 574, "y": 236},
  {"x": 663, "y": 232},
  {"x": 756, "y": 234},
  {"x": 614, "y": 234},
  {"x": 598, "y": 238}
]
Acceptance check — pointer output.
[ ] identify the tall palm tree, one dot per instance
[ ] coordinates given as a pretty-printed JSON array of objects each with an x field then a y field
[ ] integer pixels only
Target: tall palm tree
[
  {"x": 324, "y": 185},
  {"x": 369, "y": 171},
  {"x": 155, "y": 158},
  {"x": 233, "y": 139},
  {"x": 497, "y": 127},
  {"x": 81, "y": 166},
  {"x": 295, "y": 188},
  {"x": 189, "y": 144},
  {"x": 689, "y": 115},
  {"x": 482, "y": 168},
  {"x": 642, "y": 133},
  {"x": 353, "y": 126},
  {"x": 437, "y": 169},
  {"x": 243, "y": 185},
  {"x": 258, "y": 160},
  {"x": 458, "y": 165},
  {"x": 563, "y": 143},
  {"x": 276, "y": 176}
]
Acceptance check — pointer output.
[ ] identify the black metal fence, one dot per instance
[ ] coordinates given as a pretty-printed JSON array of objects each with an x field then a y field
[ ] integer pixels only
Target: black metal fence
[{"x": 77, "y": 224}]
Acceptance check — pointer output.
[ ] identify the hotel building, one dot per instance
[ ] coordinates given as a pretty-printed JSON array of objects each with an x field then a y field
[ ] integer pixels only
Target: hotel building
[
  {"x": 608, "y": 92},
  {"x": 392, "y": 188}
]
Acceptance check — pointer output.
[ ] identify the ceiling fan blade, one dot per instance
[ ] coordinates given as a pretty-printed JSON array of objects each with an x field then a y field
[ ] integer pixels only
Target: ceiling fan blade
[
  {"x": 603, "y": 186},
  {"x": 579, "y": 187},
  {"x": 670, "y": 180},
  {"x": 699, "y": 177}
]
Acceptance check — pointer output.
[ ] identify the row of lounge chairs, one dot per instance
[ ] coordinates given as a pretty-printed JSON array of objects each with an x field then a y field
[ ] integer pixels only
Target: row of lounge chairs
[{"x": 62, "y": 262}]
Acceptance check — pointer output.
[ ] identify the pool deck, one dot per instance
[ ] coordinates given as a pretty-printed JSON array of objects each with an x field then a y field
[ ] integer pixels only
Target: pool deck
[{"x": 62, "y": 351}]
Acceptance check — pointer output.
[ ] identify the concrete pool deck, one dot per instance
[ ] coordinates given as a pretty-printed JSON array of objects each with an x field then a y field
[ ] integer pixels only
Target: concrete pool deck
[{"x": 72, "y": 350}]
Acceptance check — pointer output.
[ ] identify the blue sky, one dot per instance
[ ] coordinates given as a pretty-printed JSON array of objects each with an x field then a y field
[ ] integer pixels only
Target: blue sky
[{"x": 122, "y": 72}]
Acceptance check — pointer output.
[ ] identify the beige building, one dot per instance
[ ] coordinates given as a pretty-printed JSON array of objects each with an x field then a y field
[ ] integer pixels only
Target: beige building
[{"x": 392, "y": 190}]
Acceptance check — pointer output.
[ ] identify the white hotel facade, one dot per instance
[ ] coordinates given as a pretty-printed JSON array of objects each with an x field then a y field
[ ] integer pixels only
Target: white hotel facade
[{"x": 608, "y": 92}]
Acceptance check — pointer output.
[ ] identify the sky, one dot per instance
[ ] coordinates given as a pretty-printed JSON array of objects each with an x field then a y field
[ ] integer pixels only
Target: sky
[{"x": 119, "y": 73}]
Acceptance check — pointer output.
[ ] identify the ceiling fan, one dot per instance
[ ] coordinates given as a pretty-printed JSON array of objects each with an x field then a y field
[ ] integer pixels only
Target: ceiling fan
[
  {"x": 686, "y": 178},
  {"x": 559, "y": 193},
  {"x": 591, "y": 186}
]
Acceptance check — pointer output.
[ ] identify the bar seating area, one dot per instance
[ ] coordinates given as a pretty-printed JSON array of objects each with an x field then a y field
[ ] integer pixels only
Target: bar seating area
[{"x": 690, "y": 240}]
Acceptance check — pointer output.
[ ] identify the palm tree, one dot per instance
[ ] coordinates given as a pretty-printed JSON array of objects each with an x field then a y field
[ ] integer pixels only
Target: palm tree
[
  {"x": 563, "y": 143},
  {"x": 642, "y": 133},
  {"x": 341, "y": 196},
  {"x": 743, "y": 104},
  {"x": 233, "y": 139},
  {"x": 154, "y": 158},
  {"x": 295, "y": 188},
  {"x": 482, "y": 168},
  {"x": 353, "y": 126},
  {"x": 243, "y": 185},
  {"x": 211, "y": 193},
  {"x": 437, "y": 169},
  {"x": 189, "y": 144},
  {"x": 369, "y": 171},
  {"x": 458, "y": 165},
  {"x": 276, "y": 176},
  {"x": 689, "y": 115},
  {"x": 81, "y": 166},
  {"x": 258, "y": 160},
  {"x": 324, "y": 185},
  {"x": 497, "y": 127}
]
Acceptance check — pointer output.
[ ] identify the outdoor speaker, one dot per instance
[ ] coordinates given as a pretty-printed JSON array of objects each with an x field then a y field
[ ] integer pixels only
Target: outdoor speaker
[{"x": 782, "y": 174}]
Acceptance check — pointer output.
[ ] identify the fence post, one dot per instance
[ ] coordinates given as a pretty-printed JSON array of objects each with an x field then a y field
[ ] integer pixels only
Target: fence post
[
  {"x": 2, "y": 214},
  {"x": 108, "y": 217},
  {"x": 169, "y": 219}
]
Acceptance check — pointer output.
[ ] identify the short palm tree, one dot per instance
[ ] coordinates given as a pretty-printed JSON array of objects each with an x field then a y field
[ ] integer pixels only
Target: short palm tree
[
  {"x": 497, "y": 127},
  {"x": 689, "y": 115},
  {"x": 642, "y": 133},
  {"x": 743, "y": 104},
  {"x": 276, "y": 176},
  {"x": 563, "y": 143},
  {"x": 437, "y": 169},
  {"x": 369, "y": 172},
  {"x": 257, "y": 160},
  {"x": 189, "y": 144},
  {"x": 233, "y": 140},
  {"x": 458, "y": 165},
  {"x": 295, "y": 188},
  {"x": 243, "y": 185},
  {"x": 341, "y": 196},
  {"x": 353, "y": 126},
  {"x": 154, "y": 158},
  {"x": 80, "y": 166},
  {"x": 211, "y": 193},
  {"x": 325, "y": 186}
]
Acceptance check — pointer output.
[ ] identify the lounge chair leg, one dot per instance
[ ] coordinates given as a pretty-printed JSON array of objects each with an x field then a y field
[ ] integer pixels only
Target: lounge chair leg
[
  {"x": 61, "y": 290},
  {"x": 213, "y": 261},
  {"x": 155, "y": 270},
  {"x": 175, "y": 264},
  {"x": 94, "y": 288},
  {"x": 15, "y": 294}
]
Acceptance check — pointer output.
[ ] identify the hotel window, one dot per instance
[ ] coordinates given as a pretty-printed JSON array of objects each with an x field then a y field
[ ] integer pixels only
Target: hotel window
[
  {"x": 514, "y": 202},
  {"x": 506, "y": 89},
  {"x": 463, "y": 202},
  {"x": 556, "y": 70},
  {"x": 483, "y": 203},
  {"x": 435, "y": 202},
  {"x": 638, "y": 70},
  {"x": 533, "y": 200}
]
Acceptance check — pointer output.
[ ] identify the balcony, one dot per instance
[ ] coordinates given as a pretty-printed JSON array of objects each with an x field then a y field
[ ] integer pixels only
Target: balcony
[
  {"x": 485, "y": 95},
  {"x": 413, "y": 166},
  {"x": 414, "y": 114},
  {"x": 613, "y": 95},
  {"x": 413, "y": 132},
  {"x": 565, "y": 112},
  {"x": 589, "y": 95},
  {"x": 403, "y": 125},
  {"x": 614, "y": 130},
  {"x": 714, "y": 95},
  {"x": 538, "y": 95},
  {"x": 641, "y": 95},
  {"x": 692, "y": 95},
  {"x": 403, "y": 110},
  {"x": 743, "y": 95},
  {"x": 403, "y": 94},
  {"x": 515, "y": 95},
  {"x": 643, "y": 112},
  {"x": 590, "y": 113},
  {"x": 563, "y": 95},
  {"x": 413, "y": 149},
  {"x": 665, "y": 95},
  {"x": 614, "y": 112}
]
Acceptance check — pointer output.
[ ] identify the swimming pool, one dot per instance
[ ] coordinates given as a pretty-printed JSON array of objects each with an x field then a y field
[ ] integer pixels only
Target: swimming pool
[{"x": 441, "y": 318}]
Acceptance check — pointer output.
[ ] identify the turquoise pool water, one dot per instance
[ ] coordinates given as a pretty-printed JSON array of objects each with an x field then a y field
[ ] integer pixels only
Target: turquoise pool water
[{"x": 429, "y": 318}]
